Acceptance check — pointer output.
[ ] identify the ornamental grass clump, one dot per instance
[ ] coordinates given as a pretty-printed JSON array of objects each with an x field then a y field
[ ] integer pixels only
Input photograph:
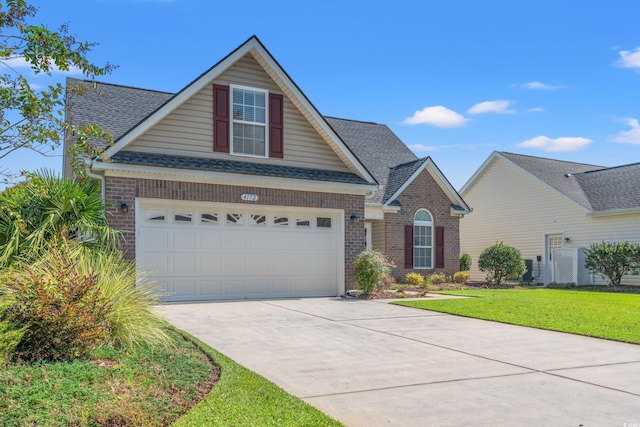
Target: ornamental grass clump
[{"x": 370, "y": 267}]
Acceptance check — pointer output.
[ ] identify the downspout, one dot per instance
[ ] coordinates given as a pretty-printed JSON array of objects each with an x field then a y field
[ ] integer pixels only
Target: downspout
[{"x": 103, "y": 189}]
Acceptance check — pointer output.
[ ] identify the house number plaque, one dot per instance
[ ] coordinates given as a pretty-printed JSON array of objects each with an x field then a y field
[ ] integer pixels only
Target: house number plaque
[{"x": 249, "y": 197}]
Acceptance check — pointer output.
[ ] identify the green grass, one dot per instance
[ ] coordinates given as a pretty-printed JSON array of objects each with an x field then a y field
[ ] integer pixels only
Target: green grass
[
  {"x": 143, "y": 386},
  {"x": 244, "y": 398},
  {"x": 614, "y": 316},
  {"x": 149, "y": 386}
]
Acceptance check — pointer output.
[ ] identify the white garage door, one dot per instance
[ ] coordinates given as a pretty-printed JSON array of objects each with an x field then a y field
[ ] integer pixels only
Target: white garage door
[{"x": 223, "y": 251}]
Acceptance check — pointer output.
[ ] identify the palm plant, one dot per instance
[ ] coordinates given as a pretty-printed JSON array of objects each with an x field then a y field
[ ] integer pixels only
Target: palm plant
[{"x": 48, "y": 209}]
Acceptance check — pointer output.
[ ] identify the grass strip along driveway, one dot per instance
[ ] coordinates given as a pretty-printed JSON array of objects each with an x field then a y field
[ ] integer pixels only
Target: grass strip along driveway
[{"x": 614, "y": 316}]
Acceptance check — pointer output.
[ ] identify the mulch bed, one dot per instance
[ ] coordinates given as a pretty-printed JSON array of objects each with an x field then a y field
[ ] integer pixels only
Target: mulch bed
[{"x": 396, "y": 290}]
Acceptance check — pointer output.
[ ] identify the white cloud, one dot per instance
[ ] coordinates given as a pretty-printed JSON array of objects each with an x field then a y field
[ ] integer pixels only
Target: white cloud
[
  {"x": 420, "y": 147},
  {"x": 535, "y": 110},
  {"x": 438, "y": 115},
  {"x": 631, "y": 136},
  {"x": 540, "y": 85},
  {"x": 565, "y": 143},
  {"x": 629, "y": 59},
  {"x": 20, "y": 62},
  {"x": 497, "y": 106}
]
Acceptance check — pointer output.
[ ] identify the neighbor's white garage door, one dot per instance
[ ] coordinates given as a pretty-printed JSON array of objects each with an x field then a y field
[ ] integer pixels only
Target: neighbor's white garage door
[{"x": 223, "y": 251}]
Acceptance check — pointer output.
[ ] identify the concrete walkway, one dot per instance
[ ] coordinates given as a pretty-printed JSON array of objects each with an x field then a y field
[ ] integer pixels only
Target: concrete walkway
[{"x": 368, "y": 363}]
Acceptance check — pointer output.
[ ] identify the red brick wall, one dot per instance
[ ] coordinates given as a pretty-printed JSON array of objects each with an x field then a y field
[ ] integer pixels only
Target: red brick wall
[
  {"x": 126, "y": 190},
  {"x": 423, "y": 192}
]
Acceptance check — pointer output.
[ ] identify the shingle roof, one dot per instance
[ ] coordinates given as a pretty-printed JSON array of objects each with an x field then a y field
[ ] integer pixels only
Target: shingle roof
[
  {"x": 597, "y": 188},
  {"x": 119, "y": 108},
  {"x": 234, "y": 166},
  {"x": 377, "y": 148}
]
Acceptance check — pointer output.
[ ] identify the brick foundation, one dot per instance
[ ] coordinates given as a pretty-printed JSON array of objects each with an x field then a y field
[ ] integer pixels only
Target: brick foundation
[{"x": 126, "y": 190}]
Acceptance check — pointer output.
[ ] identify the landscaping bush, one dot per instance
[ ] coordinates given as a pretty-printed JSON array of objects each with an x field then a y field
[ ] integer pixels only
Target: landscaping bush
[
  {"x": 387, "y": 280},
  {"x": 437, "y": 279},
  {"x": 501, "y": 262},
  {"x": 414, "y": 279},
  {"x": 49, "y": 210},
  {"x": 461, "y": 277},
  {"x": 62, "y": 314},
  {"x": 613, "y": 260},
  {"x": 465, "y": 262},
  {"x": 370, "y": 266}
]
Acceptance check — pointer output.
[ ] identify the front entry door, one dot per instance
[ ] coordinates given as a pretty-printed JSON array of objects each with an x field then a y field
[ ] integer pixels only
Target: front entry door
[{"x": 553, "y": 241}]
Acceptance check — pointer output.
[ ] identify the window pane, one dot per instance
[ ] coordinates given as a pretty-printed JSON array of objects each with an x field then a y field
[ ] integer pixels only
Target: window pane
[
  {"x": 422, "y": 216},
  {"x": 323, "y": 222},
  {"x": 257, "y": 219},
  {"x": 238, "y": 130},
  {"x": 260, "y": 99},
  {"x": 248, "y": 97},
  {"x": 207, "y": 218},
  {"x": 155, "y": 215},
  {"x": 303, "y": 222},
  {"x": 248, "y": 114},
  {"x": 238, "y": 96},
  {"x": 259, "y": 115},
  {"x": 281, "y": 220},
  {"x": 182, "y": 216},
  {"x": 237, "y": 112},
  {"x": 234, "y": 219}
]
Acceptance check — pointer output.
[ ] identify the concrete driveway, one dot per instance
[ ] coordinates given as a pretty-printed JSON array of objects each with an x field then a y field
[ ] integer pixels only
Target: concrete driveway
[{"x": 369, "y": 363}]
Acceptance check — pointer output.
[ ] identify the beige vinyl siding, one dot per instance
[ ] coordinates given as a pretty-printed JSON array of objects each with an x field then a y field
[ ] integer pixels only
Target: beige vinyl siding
[
  {"x": 509, "y": 205},
  {"x": 188, "y": 130},
  {"x": 377, "y": 236}
]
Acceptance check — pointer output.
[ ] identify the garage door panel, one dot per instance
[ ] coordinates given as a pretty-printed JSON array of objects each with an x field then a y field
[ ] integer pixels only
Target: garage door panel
[
  {"x": 155, "y": 264},
  {"x": 233, "y": 265},
  {"x": 234, "y": 241},
  {"x": 210, "y": 288},
  {"x": 209, "y": 264},
  {"x": 209, "y": 240},
  {"x": 154, "y": 240},
  {"x": 184, "y": 288},
  {"x": 182, "y": 240},
  {"x": 183, "y": 264},
  {"x": 258, "y": 287},
  {"x": 248, "y": 258},
  {"x": 234, "y": 288}
]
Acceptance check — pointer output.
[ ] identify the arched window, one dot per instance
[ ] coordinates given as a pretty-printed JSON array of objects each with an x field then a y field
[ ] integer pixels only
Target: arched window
[{"x": 422, "y": 239}]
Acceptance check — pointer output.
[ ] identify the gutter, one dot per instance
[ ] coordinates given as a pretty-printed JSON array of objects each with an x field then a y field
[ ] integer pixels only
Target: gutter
[{"x": 103, "y": 188}]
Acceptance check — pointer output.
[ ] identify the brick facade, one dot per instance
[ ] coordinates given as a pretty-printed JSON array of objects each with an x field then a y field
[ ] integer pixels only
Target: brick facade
[
  {"x": 423, "y": 192},
  {"x": 126, "y": 190}
]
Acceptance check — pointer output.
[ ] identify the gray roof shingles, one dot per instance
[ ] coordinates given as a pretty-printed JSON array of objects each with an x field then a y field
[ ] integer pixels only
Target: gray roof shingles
[
  {"x": 119, "y": 108},
  {"x": 234, "y": 166},
  {"x": 597, "y": 188}
]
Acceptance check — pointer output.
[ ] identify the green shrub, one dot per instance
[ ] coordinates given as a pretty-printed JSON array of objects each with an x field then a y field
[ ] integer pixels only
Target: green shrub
[
  {"x": 9, "y": 339},
  {"x": 414, "y": 279},
  {"x": 370, "y": 267},
  {"x": 461, "y": 277},
  {"x": 501, "y": 262},
  {"x": 437, "y": 279},
  {"x": 62, "y": 314},
  {"x": 465, "y": 262},
  {"x": 613, "y": 260}
]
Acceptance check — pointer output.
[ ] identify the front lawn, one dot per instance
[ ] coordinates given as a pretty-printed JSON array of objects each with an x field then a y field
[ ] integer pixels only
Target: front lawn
[
  {"x": 147, "y": 386},
  {"x": 614, "y": 316}
]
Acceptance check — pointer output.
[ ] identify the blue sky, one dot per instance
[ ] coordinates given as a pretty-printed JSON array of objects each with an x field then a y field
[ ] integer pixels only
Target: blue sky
[{"x": 453, "y": 79}]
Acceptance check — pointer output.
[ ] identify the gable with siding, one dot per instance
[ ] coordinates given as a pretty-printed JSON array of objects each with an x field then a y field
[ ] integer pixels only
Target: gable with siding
[{"x": 188, "y": 130}]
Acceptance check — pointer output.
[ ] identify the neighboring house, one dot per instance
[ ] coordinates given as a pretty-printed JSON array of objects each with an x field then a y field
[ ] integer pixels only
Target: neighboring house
[
  {"x": 237, "y": 187},
  {"x": 547, "y": 207}
]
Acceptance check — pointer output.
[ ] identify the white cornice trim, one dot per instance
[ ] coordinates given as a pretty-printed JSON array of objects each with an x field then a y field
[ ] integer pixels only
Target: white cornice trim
[
  {"x": 614, "y": 212},
  {"x": 186, "y": 175},
  {"x": 444, "y": 184}
]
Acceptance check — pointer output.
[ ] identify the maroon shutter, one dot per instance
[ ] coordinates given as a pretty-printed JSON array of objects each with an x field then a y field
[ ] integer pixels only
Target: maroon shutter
[
  {"x": 221, "y": 118},
  {"x": 439, "y": 247},
  {"x": 276, "y": 120},
  {"x": 408, "y": 246}
]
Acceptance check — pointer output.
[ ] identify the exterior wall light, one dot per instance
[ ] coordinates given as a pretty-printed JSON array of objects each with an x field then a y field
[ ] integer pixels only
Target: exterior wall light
[{"x": 124, "y": 208}]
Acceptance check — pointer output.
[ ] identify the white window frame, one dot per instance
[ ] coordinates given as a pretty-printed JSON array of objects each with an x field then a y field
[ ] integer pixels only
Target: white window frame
[
  {"x": 429, "y": 224},
  {"x": 266, "y": 121}
]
